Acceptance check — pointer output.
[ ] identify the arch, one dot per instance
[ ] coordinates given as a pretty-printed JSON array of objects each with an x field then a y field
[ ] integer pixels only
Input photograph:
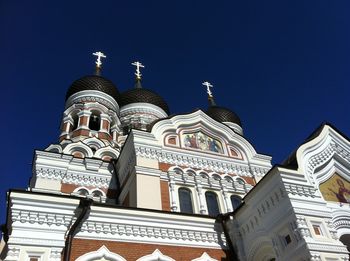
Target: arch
[
  {"x": 190, "y": 172},
  {"x": 185, "y": 200},
  {"x": 82, "y": 191},
  {"x": 216, "y": 176},
  {"x": 240, "y": 181},
  {"x": 236, "y": 201},
  {"x": 107, "y": 151},
  {"x": 228, "y": 178},
  {"x": 54, "y": 148},
  {"x": 95, "y": 120},
  {"x": 212, "y": 203},
  {"x": 203, "y": 175},
  {"x": 94, "y": 142},
  {"x": 78, "y": 147},
  {"x": 156, "y": 256},
  {"x": 97, "y": 193},
  {"x": 103, "y": 252},
  {"x": 177, "y": 170},
  {"x": 74, "y": 114}
]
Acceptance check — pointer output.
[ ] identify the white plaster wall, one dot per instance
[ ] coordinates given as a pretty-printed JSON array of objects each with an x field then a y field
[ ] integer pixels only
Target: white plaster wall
[
  {"x": 48, "y": 184},
  {"x": 150, "y": 163},
  {"x": 148, "y": 192}
]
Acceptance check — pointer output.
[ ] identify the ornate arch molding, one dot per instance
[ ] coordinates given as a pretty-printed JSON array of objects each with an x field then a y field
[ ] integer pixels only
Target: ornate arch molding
[
  {"x": 79, "y": 146},
  {"x": 312, "y": 155},
  {"x": 95, "y": 142},
  {"x": 175, "y": 123},
  {"x": 107, "y": 151},
  {"x": 341, "y": 221},
  {"x": 103, "y": 252},
  {"x": 54, "y": 148},
  {"x": 335, "y": 164},
  {"x": 156, "y": 255}
]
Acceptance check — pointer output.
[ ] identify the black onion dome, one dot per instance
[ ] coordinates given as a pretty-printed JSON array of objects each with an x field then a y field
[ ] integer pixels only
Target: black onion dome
[
  {"x": 143, "y": 95},
  {"x": 96, "y": 83},
  {"x": 222, "y": 114}
]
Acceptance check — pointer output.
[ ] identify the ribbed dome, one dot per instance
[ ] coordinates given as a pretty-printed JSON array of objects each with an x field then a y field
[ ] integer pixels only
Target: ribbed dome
[
  {"x": 222, "y": 114},
  {"x": 143, "y": 95},
  {"x": 93, "y": 82}
]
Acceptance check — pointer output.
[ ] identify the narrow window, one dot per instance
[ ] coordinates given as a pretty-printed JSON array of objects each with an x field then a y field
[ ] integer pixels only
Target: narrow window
[
  {"x": 185, "y": 197},
  {"x": 75, "y": 122},
  {"x": 287, "y": 239},
  {"x": 95, "y": 122},
  {"x": 317, "y": 230},
  {"x": 236, "y": 201},
  {"x": 212, "y": 203}
]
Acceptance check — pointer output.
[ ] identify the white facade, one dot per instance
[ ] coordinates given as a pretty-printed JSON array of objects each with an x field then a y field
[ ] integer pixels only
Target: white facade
[{"x": 132, "y": 183}]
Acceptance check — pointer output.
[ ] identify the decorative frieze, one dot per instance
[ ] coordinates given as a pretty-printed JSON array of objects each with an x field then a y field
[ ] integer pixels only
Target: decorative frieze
[
  {"x": 50, "y": 173},
  {"x": 300, "y": 190},
  {"x": 84, "y": 179},
  {"x": 121, "y": 230},
  {"x": 215, "y": 165}
]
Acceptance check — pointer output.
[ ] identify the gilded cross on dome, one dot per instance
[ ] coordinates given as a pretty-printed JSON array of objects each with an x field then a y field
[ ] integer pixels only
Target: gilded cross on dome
[
  {"x": 138, "y": 65},
  {"x": 99, "y": 56},
  {"x": 208, "y": 85}
]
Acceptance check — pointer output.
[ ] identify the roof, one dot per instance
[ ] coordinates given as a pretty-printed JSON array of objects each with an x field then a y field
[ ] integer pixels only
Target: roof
[
  {"x": 93, "y": 82},
  {"x": 143, "y": 95}
]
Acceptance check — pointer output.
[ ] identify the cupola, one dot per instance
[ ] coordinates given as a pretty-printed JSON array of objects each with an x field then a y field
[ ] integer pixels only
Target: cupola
[
  {"x": 91, "y": 108},
  {"x": 139, "y": 106},
  {"x": 222, "y": 114}
]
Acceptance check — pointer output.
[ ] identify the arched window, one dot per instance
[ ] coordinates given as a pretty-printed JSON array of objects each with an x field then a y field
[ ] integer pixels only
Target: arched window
[
  {"x": 236, "y": 201},
  {"x": 212, "y": 203},
  {"x": 185, "y": 197},
  {"x": 95, "y": 121},
  {"x": 83, "y": 192},
  {"x": 75, "y": 118},
  {"x": 97, "y": 193}
]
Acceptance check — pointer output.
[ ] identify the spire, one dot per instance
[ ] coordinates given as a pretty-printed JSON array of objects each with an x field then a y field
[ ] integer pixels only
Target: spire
[
  {"x": 138, "y": 74},
  {"x": 98, "y": 62},
  {"x": 210, "y": 94}
]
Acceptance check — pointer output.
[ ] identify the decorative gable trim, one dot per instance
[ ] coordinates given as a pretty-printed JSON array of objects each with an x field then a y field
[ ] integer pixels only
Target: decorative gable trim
[
  {"x": 103, "y": 252},
  {"x": 204, "y": 257},
  {"x": 156, "y": 255}
]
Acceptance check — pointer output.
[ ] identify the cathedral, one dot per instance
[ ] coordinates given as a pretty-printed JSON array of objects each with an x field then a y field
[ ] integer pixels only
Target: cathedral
[{"x": 127, "y": 180}]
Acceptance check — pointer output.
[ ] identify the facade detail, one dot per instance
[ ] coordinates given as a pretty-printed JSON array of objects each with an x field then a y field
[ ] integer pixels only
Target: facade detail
[{"x": 127, "y": 180}]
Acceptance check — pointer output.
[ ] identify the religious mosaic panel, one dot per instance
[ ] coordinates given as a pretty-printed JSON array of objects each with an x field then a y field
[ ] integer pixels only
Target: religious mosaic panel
[
  {"x": 336, "y": 189},
  {"x": 201, "y": 141}
]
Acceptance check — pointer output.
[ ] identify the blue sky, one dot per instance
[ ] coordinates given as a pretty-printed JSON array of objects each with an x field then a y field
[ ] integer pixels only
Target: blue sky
[{"x": 282, "y": 66}]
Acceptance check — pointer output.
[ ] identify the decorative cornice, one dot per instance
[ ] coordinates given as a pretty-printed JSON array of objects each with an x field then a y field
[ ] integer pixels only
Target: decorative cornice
[{"x": 93, "y": 96}]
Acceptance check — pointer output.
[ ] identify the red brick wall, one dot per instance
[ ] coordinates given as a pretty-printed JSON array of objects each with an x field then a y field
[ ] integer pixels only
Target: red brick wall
[
  {"x": 164, "y": 166},
  {"x": 164, "y": 191},
  {"x": 133, "y": 251}
]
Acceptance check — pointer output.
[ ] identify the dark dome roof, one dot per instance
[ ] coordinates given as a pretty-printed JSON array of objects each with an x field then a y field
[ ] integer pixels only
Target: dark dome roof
[
  {"x": 143, "y": 95},
  {"x": 222, "y": 114},
  {"x": 93, "y": 82}
]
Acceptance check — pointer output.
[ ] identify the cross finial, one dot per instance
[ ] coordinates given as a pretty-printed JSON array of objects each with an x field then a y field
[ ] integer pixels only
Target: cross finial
[
  {"x": 208, "y": 85},
  {"x": 98, "y": 60},
  {"x": 138, "y": 65}
]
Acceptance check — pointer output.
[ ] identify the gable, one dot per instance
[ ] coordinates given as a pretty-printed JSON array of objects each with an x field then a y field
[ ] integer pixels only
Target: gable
[{"x": 198, "y": 133}]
